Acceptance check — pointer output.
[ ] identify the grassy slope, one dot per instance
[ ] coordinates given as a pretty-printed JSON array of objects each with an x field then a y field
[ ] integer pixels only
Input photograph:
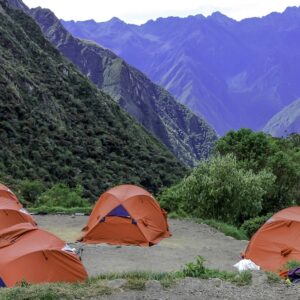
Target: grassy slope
[
  {"x": 56, "y": 126},
  {"x": 187, "y": 136}
]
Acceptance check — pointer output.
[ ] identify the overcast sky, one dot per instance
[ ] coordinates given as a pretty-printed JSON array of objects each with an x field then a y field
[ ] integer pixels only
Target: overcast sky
[{"x": 140, "y": 11}]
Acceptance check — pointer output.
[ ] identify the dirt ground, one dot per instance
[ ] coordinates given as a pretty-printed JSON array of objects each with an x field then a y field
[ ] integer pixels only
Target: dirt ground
[
  {"x": 187, "y": 242},
  {"x": 212, "y": 289}
]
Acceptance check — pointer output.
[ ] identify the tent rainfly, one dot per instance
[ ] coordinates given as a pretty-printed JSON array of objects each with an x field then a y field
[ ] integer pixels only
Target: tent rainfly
[
  {"x": 36, "y": 256},
  {"x": 11, "y": 210},
  {"x": 277, "y": 241},
  {"x": 126, "y": 215}
]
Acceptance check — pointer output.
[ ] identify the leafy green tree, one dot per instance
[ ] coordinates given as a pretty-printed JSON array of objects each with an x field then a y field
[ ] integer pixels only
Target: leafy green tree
[
  {"x": 252, "y": 149},
  {"x": 258, "y": 151},
  {"x": 30, "y": 190},
  {"x": 220, "y": 189},
  {"x": 63, "y": 196}
]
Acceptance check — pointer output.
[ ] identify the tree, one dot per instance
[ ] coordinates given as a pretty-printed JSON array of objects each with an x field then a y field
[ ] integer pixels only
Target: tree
[
  {"x": 257, "y": 151},
  {"x": 220, "y": 189},
  {"x": 61, "y": 195}
]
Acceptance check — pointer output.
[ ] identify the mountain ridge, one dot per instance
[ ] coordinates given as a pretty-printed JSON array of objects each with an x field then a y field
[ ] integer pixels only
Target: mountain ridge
[
  {"x": 187, "y": 136},
  {"x": 233, "y": 73},
  {"x": 57, "y": 127},
  {"x": 286, "y": 122}
]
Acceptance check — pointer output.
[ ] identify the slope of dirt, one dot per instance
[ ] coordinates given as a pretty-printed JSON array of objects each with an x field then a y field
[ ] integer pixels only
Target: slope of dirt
[{"x": 188, "y": 241}]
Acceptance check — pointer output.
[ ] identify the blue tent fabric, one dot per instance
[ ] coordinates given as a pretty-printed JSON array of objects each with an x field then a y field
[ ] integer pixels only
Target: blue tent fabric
[
  {"x": 119, "y": 211},
  {"x": 2, "y": 284}
]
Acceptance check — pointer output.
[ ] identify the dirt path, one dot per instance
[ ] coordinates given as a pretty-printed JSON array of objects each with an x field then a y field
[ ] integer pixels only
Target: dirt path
[{"x": 188, "y": 241}]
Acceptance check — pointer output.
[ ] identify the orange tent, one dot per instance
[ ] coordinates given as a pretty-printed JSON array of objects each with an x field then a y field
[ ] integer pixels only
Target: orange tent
[
  {"x": 5, "y": 192},
  {"x": 11, "y": 210},
  {"x": 36, "y": 256},
  {"x": 126, "y": 215},
  {"x": 277, "y": 241}
]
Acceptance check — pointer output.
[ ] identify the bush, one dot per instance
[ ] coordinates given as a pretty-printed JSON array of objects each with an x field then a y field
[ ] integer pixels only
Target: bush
[
  {"x": 257, "y": 151},
  {"x": 44, "y": 210},
  {"x": 219, "y": 189},
  {"x": 63, "y": 196},
  {"x": 30, "y": 190},
  {"x": 252, "y": 225},
  {"x": 198, "y": 270},
  {"x": 227, "y": 229},
  {"x": 292, "y": 264}
]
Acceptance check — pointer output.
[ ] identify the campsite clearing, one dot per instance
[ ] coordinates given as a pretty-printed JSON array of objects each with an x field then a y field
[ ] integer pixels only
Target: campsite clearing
[{"x": 188, "y": 241}]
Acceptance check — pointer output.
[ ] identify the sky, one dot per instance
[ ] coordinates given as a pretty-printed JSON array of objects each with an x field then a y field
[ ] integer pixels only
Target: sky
[{"x": 140, "y": 11}]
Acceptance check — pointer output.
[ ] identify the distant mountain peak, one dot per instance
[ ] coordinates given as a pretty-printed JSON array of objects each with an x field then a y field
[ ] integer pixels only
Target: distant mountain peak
[
  {"x": 292, "y": 11},
  {"x": 221, "y": 18},
  {"x": 115, "y": 20}
]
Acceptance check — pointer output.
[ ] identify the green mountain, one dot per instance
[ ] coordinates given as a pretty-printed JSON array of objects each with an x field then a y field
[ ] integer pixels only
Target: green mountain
[
  {"x": 286, "y": 122},
  {"x": 58, "y": 127},
  {"x": 186, "y": 135}
]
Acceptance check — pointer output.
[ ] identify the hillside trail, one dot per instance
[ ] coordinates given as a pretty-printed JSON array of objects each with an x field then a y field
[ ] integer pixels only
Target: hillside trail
[{"x": 188, "y": 241}]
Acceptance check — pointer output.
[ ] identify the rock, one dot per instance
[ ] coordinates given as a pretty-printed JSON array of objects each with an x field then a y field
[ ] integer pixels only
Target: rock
[
  {"x": 116, "y": 283},
  {"x": 259, "y": 278},
  {"x": 217, "y": 282},
  {"x": 153, "y": 285}
]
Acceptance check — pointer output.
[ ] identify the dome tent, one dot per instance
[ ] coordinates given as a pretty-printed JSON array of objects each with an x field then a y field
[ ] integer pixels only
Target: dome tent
[
  {"x": 277, "y": 241},
  {"x": 11, "y": 210},
  {"x": 36, "y": 256},
  {"x": 126, "y": 215}
]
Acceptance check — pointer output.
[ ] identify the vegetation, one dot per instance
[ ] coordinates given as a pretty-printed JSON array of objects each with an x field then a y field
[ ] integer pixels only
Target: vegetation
[
  {"x": 198, "y": 270},
  {"x": 251, "y": 176},
  {"x": 97, "y": 286},
  {"x": 54, "y": 291},
  {"x": 273, "y": 277},
  {"x": 44, "y": 210},
  {"x": 219, "y": 189},
  {"x": 59, "y": 128},
  {"x": 252, "y": 225},
  {"x": 61, "y": 195},
  {"x": 186, "y": 135},
  {"x": 292, "y": 264},
  {"x": 280, "y": 156},
  {"x": 227, "y": 229}
]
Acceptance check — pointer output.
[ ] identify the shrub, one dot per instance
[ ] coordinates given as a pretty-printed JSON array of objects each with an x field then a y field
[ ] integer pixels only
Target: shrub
[
  {"x": 227, "y": 229},
  {"x": 198, "y": 270},
  {"x": 292, "y": 264},
  {"x": 30, "y": 190},
  {"x": 219, "y": 189},
  {"x": 257, "y": 151},
  {"x": 252, "y": 225},
  {"x": 273, "y": 277},
  {"x": 62, "y": 196}
]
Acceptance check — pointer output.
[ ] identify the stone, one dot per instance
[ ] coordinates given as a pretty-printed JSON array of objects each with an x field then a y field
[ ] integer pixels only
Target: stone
[
  {"x": 153, "y": 285},
  {"x": 116, "y": 283}
]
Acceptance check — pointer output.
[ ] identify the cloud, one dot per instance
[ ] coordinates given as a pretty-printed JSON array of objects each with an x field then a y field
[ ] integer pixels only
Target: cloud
[{"x": 139, "y": 11}]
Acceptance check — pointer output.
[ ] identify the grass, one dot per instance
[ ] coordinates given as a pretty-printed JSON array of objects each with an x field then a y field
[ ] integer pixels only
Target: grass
[
  {"x": 44, "y": 210},
  {"x": 55, "y": 291},
  {"x": 292, "y": 264},
  {"x": 198, "y": 270},
  {"x": 227, "y": 229},
  {"x": 97, "y": 286},
  {"x": 137, "y": 280},
  {"x": 273, "y": 277}
]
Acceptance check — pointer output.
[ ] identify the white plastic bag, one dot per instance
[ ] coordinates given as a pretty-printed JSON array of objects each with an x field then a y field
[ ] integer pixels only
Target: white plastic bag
[{"x": 245, "y": 265}]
